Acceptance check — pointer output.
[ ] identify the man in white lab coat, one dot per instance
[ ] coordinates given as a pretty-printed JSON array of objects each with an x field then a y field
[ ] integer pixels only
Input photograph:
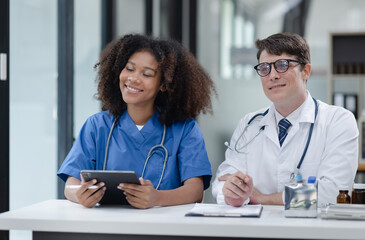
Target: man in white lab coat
[{"x": 269, "y": 153}]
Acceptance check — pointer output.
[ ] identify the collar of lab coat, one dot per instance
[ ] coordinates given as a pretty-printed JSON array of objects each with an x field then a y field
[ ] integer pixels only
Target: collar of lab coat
[{"x": 306, "y": 116}]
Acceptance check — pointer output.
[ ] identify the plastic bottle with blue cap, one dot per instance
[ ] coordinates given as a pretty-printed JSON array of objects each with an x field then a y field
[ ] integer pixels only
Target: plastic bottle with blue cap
[
  {"x": 299, "y": 178},
  {"x": 311, "y": 179}
]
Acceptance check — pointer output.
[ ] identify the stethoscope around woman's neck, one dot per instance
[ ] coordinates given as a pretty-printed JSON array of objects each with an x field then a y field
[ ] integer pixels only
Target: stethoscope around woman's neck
[
  {"x": 238, "y": 150},
  {"x": 150, "y": 153}
]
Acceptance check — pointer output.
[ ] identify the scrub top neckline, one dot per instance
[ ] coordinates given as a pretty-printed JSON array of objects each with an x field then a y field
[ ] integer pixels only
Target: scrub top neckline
[{"x": 127, "y": 125}]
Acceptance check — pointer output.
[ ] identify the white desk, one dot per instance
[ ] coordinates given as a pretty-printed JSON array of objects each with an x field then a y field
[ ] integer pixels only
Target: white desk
[{"x": 62, "y": 219}]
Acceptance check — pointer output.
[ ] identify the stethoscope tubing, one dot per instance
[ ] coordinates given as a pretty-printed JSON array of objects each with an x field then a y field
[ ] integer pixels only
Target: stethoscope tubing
[
  {"x": 310, "y": 134},
  {"x": 107, "y": 143},
  {"x": 150, "y": 153},
  {"x": 244, "y": 130},
  {"x": 263, "y": 128}
]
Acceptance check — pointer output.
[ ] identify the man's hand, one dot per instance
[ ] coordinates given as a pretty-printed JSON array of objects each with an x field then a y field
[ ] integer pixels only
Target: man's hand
[
  {"x": 255, "y": 197},
  {"x": 237, "y": 188}
]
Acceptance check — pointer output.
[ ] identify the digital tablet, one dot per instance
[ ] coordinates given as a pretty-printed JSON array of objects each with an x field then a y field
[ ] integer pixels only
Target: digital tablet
[{"x": 111, "y": 179}]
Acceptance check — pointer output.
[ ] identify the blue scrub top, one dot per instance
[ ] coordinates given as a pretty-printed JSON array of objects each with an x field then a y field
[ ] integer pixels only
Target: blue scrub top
[{"x": 129, "y": 147}]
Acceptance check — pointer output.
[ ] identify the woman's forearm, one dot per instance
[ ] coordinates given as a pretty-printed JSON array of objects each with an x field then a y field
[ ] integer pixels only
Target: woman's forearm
[{"x": 192, "y": 191}]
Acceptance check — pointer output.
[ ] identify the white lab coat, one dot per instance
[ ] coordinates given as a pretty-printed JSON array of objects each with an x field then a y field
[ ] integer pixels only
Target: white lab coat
[{"x": 332, "y": 154}]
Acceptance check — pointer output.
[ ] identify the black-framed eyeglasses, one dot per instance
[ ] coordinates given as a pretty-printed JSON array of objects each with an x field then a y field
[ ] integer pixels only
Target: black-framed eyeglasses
[{"x": 281, "y": 66}]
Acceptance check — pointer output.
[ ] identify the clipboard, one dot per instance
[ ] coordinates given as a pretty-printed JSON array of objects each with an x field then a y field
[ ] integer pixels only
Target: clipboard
[{"x": 220, "y": 210}]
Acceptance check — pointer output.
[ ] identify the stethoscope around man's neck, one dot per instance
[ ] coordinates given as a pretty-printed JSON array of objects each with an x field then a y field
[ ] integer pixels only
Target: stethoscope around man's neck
[
  {"x": 150, "y": 153},
  {"x": 262, "y": 128}
]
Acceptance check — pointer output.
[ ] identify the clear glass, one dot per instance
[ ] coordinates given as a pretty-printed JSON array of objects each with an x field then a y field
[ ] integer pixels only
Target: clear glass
[
  {"x": 130, "y": 17},
  {"x": 33, "y": 101},
  {"x": 33, "y": 93},
  {"x": 237, "y": 53},
  {"x": 87, "y": 33}
]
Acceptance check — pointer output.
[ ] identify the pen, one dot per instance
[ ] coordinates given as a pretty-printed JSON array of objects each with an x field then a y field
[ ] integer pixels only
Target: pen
[
  {"x": 245, "y": 180},
  {"x": 78, "y": 186}
]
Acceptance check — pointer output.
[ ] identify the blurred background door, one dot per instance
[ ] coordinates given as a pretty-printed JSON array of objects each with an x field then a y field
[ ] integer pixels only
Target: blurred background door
[{"x": 4, "y": 110}]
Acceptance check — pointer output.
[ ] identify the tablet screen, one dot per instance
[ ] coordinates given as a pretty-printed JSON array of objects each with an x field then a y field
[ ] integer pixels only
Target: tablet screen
[{"x": 111, "y": 179}]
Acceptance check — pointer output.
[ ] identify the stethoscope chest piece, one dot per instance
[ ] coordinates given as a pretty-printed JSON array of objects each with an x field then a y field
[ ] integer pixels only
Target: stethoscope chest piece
[
  {"x": 292, "y": 177},
  {"x": 239, "y": 149}
]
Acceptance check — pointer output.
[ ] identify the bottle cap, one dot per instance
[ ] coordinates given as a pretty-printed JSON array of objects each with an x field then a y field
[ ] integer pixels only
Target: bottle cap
[
  {"x": 299, "y": 178},
  {"x": 359, "y": 186},
  {"x": 311, "y": 179}
]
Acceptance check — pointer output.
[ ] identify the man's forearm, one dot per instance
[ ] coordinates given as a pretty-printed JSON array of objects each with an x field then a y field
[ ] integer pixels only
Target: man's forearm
[{"x": 266, "y": 199}]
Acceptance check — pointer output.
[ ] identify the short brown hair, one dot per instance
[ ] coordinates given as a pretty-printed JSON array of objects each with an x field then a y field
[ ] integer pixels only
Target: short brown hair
[{"x": 289, "y": 43}]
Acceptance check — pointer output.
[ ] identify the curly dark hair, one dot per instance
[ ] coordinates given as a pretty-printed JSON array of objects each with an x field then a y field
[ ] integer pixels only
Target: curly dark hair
[{"x": 188, "y": 86}]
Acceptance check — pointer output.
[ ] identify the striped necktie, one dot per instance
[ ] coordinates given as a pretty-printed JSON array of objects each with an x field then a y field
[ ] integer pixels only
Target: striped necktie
[{"x": 284, "y": 124}]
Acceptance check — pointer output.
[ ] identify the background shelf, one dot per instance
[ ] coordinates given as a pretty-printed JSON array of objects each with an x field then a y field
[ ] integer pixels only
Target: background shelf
[{"x": 347, "y": 80}]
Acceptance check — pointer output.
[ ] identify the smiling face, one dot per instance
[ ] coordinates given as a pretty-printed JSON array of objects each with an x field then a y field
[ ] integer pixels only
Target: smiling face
[
  {"x": 286, "y": 90},
  {"x": 140, "y": 81}
]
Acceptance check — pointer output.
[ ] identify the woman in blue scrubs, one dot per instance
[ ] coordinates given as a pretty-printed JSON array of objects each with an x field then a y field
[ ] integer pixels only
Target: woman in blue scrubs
[{"x": 145, "y": 84}]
